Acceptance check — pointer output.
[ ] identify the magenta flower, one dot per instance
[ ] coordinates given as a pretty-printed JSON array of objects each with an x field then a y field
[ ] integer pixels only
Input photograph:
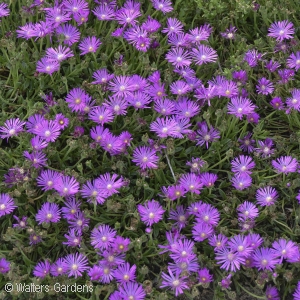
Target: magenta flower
[
  {"x": 125, "y": 273},
  {"x": 37, "y": 158},
  {"x": 229, "y": 33},
  {"x": 191, "y": 183},
  {"x": 272, "y": 293},
  {"x": 202, "y": 231},
  {"x": 293, "y": 61},
  {"x": 61, "y": 121},
  {"x": 73, "y": 238},
  {"x": 71, "y": 208},
  {"x": 132, "y": 290},
  {"x": 4, "y": 10},
  {"x": 175, "y": 282},
  {"x": 218, "y": 241},
  {"x": 282, "y": 30},
  {"x": 240, "y": 107},
  {"x": 49, "y": 212},
  {"x": 77, "y": 99},
  {"x": 265, "y": 258},
  {"x": 109, "y": 183},
  {"x": 47, "y": 66},
  {"x": 296, "y": 293},
  {"x": 199, "y": 34},
  {"x": 266, "y": 196},
  {"x": 252, "y": 57},
  {"x": 164, "y": 127},
  {"x": 102, "y": 76},
  {"x": 205, "y": 135},
  {"x": 178, "y": 57},
  {"x": 103, "y": 237},
  {"x": 76, "y": 264},
  {"x": 208, "y": 214},
  {"x": 241, "y": 182},
  {"x": 104, "y": 12},
  {"x": 285, "y": 164},
  {"x": 88, "y": 45},
  {"x": 7, "y": 204},
  {"x": 264, "y": 86},
  {"x": 121, "y": 86},
  {"x": 204, "y": 276},
  {"x": 48, "y": 179},
  {"x": 247, "y": 210},
  {"x": 164, "y": 6},
  {"x": 204, "y": 54},
  {"x": 241, "y": 245},
  {"x": 151, "y": 212},
  {"x": 58, "y": 268},
  {"x": 277, "y": 103},
  {"x": 145, "y": 157},
  {"x": 285, "y": 249},
  {"x": 4, "y": 266},
  {"x": 101, "y": 115},
  {"x": 67, "y": 186},
  {"x": 70, "y": 33},
  {"x": 48, "y": 130},
  {"x": 180, "y": 216},
  {"x": 11, "y": 127},
  {"x": 242, "y": 165},
  {"x": 230, "y": 260},
  {"x": 173, "y": 26},
  {"x": 59, "y": 54},
  {"x": 294, "y": 101},
  {"x": 42, "y": 269}
]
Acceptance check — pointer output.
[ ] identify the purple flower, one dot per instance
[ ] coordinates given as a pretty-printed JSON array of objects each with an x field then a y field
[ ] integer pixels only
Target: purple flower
[
  {"x": 285, "y": 164},
  {"x": 121, "y": 86},
  {"x": 101, "y": 115},
  {"x": 145, "y": 157},
  {"x": 42, "y": 269},
  {"x": 165, "y": 107},
  {"x": 79, "y": 222},
  {"x": 7, "y": 204},
  {"x": 199, "y": 34},
  {"x": 204, "y": 276},
  {"x": 277, "y": 103},
  {"x": 294, "y": 101},
  {"x": 47, "y": 66},
  {"x": 125, "y": 273},
  {"x": 151, "y": 212},
  {"x": 296, "y": 293},
  {"x": 76, "y": 264},
  {"x": 70, "y": 33},
  {"x": 247, "y": 210},
  {"x": 265, "y": 258},
  {"x": 49, "y": 212},
  {"x": 175, "y": 282},
  {"x": 293, "y": 61},
  {"x": 174, "y": 192},
  {"x": 37, "y": 158},
  {"x": 109, "y": 183},
  {"x": 191, "y": 183},
  {"x": 58, "y": 268},
  {"x": 103, "y": 237},
  {"x": 208, "y": 214},
  {"x": 282, "y": 30},
  {"x": 4, "y": 264},
  {"x": 132, "y": 290},
  {"x": 230, "y": 260},
  {"x": 242, "y": 165},
  {"x": 21, "y": 223},
  {"x": 204, "y": 54},
  {"x": 48, "y": 179},
  {"x": 247, "y": 144},
  {"x": 164, "y": 6},
  {"x": 139, "y": 100},
  {"x": 26, "y": 31},
  {"x": 272, "y": 293},
  {"x": 73, "y": 238},
  {"x": 241, "y": 182},
  {"x": 266, "y": 196},
  {"x": 67, "y": 186},
  {"x": 62, "y": 121},
  {"x": 48, "y": 130},
  {"x": 180, "y": 216},
  {"x": 285, "y": 76},
  {"x": 252, "y": 57},
  {"x": 164, "y": 127},
  {"x": 88, "y": 45},
  {"x": 218, "y": 241},
  {"x": 240, "y": 107},
  {"x": 102, "y": 76},
  {"x": 202, "y": 231},
  {"x": 285, "y": 249},
  {"x": 38, "y": 143},
  {"x": 71, "y": 208},
  {"x": 104, "y": 12},
  {"x": 205, "y": 135},
  {"x": 182, "y": 250},
  {"x": 272, "y": 65},
  {"x": 229, "y": 33},
  {"x": 4, "y": 10},
  {"x": 178, "y": 57},
  {"x": 195, "y": 164},
  {"x": 241, "y": 245},
  {"x": 264, "y": 86},
  {"x": 12, "y": 127},
  {"x": 173, "y": 26},
  {"x": 185, "y": 108},
  {"x": 121, "y": 244},
  {"x": 59, "y": 54},
  {"x": 265, "y": 148}
]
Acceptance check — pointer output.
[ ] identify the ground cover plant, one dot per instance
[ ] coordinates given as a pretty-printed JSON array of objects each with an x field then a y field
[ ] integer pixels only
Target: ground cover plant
[{"x": 149, "y": 150}]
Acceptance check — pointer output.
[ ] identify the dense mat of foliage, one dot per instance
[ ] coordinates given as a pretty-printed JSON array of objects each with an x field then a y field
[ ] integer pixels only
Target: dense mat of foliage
[{"x": 149, "y": 150}]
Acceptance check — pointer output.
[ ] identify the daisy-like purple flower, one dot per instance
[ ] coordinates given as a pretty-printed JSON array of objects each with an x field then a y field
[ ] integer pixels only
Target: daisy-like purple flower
[
  {"x": 71, "y": 208},
  {"x": 202, "y": 231},
  {"x": 151, "y": 212},
  {"x": 242, "y": 165},
  {"x": 49, "y": 212},
  {"x": 173, "y": 26},
  {"x": 48, "y": 179},
  {"x": 272, "y": 293},
  {"x": 21, "y": 223},
  {"x": 186, "y": 108},
  {"x": 191, "y": 183},
  {"x": 175, "y": 282},
  {"x": 179, "y": 88},
  {"x": 293, "y": 61},
  {"x": 91, "y": 192},
  {"x": 282, "y": 30},
  {"x": 230, "y": 260},
  {"x": 145, "y": 157},
  {"x": 67, "y": 186},
  {"x": 37, "y": 158},
  {"x": 277, "y": 103},
  {"x": 199, "y": 34},
  {"x": 285, "y": 249},
  {"x": 208, "y": 214},
  {"x": 164, "y": 6},
  {"x": 266, "y": 196},
  {"x": 272, "y": 66},
  {"x": 165, "y": 107},
  {"x": 34, "y": 239},
  {"x": 205, "y": 135},
  {"x": 110, "y": 184},
  {"x": 240, "y": 107},
  {"x": 294, "y": 101},
  {"x": 265, "y": 258},
  {"x": 164, "y": 127},
  {"x": 265, "y": 148},
  {"x": 4, "y": 266},
  {"x": 88, "y": 45},
  {"x": 11, "y": 127},
  {"x": 125, "y": 273},
  {"x": 104, "y": 12},
  {"x": 7, "y": 204},
  {"x": 77, "y": 99},
  {"x": 120, "y": 244},
  {"x": 132, "y": 290},
  {"x": 229, "y": 33},
  {"x": 48, "y": 130},
  {"x": 121, "y": 86},
  {"x": 285, "y": 164},
  {"x": 180, "y": 215},
  {"x": 296, "y": 293},
  {"x": 101, "y": 115},
  {"x": 62, "y": 121},
  {"x": 26, "y": 31},
  {"x": 218, "y": 241},
  {"x": 59, "y": 54},
  {"x": 73, "y": 238},
  {"x": 47, "y": 66},
  {"x": 204, "y": 276},
  {"x": 247, "y": 144},
  {"x": 42, "y": 269},
  {"x": 195, "y": 164},
  {"x": 240, "y": 244},
  {"x": 174, "y": 192},
  {"x": 103, "y": 237},
  {"x": 76, "y": 264},
  {"x": 178, "y": 57},
  {"x": 242, "y": 181},
  {"x": 264, "y": 86},
  {"x": 252, "y": 57},
  {"x": 70, "y": 33},
  {"x": 4, "y": 10},
  {"x": 247, "y": 210},
  {"x": 102, "y": 76},
  {"x": 58, "y": 268},
  {"x": 204, "y": 54}
]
